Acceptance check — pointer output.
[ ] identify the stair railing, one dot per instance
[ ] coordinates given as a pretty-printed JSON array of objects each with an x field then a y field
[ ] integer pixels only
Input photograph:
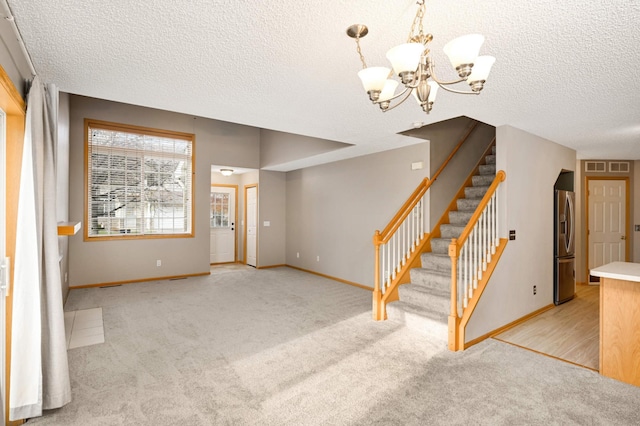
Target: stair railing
[
  {"x": 471, "y": 256},
  {"x": 399, "y": 245}
]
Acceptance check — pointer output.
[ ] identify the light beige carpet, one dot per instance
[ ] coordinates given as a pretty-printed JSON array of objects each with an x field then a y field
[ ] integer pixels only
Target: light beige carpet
[{"x": 282, "y": 347}]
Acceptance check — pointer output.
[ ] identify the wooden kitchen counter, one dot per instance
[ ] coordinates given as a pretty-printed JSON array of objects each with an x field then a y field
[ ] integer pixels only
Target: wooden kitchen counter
[{"x": 620, "y": 321}]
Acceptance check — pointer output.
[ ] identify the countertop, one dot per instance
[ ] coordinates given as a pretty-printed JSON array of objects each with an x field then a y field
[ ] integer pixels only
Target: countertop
[{"x": 626, "y": 271}]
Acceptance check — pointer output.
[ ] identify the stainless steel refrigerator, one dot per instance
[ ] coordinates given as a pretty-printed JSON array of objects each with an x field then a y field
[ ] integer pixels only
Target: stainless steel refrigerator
[{"x": 564, "y": 285}]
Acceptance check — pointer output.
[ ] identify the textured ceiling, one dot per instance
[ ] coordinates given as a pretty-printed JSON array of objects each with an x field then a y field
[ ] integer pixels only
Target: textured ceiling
[{"x": 566, "y": 71}]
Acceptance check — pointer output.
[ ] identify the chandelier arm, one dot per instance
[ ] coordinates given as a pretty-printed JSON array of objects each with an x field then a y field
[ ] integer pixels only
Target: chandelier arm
[
  {"x": 442, "y": 83},
  {"x": 396, "y": 96},
  {"x": 460, "y": 92},
  {"x": 402, "y": 101}
]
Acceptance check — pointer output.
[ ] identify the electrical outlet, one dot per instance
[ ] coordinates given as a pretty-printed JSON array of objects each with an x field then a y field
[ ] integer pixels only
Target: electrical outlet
[
  {"x": 158, "y": 262},
  {"x": 298, "y": 255},
  {"x": 318, "y": 259},
  {"x": 66, "y": 277},
  {"x": 535, "y": 290}
]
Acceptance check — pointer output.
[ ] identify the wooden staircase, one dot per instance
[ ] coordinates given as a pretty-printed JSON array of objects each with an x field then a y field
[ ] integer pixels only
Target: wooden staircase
[{"x": 424, "y": 303}]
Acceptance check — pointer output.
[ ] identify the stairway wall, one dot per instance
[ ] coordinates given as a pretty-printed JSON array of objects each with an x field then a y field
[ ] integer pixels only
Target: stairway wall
[
  {"x": 333, "y": 209},
  {"x": 532, "y": 165},
  {"x": 453, "y": 176}
]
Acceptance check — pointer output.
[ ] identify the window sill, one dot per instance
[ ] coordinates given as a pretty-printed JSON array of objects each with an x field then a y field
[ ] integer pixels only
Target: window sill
[{"x": 68, "y": 228}]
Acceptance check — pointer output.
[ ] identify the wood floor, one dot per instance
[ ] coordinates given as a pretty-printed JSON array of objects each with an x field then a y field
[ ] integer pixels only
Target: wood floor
[{"x": 570, "y": 332}]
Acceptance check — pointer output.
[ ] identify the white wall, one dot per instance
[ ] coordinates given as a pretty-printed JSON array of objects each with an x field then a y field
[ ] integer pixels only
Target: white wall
[
  {"x": 332, "y": 210},
  {"x": 532, "y": 165}
]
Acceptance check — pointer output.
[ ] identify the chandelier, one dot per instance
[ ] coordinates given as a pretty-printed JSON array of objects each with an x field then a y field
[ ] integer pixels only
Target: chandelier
[{"x": 412, "y": 63}]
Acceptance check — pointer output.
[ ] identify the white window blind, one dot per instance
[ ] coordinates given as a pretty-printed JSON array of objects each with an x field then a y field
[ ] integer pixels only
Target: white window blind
[{"x": 138, "y": 182}]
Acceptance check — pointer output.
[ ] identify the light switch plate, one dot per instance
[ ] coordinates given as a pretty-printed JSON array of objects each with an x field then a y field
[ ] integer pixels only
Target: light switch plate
[
  {"x": 637, "y": 228},
  {"x": 267, "y": 223}
]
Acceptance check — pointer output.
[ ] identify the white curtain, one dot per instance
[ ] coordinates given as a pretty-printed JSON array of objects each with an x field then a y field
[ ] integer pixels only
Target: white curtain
[{"x": 39, "y": 367}]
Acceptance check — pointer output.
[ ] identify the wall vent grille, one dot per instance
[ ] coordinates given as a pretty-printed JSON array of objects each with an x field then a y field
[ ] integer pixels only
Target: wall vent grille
[
  {"x": 619, "y": 166},
  {"x": 595, "y": 166}
]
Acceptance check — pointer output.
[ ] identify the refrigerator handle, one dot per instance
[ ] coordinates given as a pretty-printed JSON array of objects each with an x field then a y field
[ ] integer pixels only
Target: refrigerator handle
[{"x": 571, "y": 229}]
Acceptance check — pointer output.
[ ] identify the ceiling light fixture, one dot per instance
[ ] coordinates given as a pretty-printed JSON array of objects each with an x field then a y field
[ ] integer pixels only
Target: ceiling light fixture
[
  {"x": 226, "y": 172},
  {"x": 414, "y": 66}
]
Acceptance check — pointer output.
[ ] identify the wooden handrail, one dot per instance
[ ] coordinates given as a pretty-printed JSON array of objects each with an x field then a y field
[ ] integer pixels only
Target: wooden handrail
[
  {"x": 500, "y": 177},
  {"x": 457, "y": 324},
  {"x": 417, "y": 194},
  {"x": 404, "y": 211}
]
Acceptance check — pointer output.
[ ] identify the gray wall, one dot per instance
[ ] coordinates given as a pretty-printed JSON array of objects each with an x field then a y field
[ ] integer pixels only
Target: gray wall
[
  {"x": 272, "y": 208},
  {"x": 278, "y": 147},
  {"x": 217, "y": 142},
  {"x": 62, "y": 185},
  {"x": 635, "y": 201},
  {"x": 532, "y": 165},
  {"x": 332, "y": 210},
  {"x": 453, "y": 176}
]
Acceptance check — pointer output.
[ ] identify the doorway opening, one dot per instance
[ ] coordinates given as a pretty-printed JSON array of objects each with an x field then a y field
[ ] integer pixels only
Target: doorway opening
[
  {"x": 227, "y": 213},
  {"x": 607, "y": 222}
]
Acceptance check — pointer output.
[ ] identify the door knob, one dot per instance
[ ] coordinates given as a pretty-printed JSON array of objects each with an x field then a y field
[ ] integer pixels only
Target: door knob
[{"x": 623, "y": 237}]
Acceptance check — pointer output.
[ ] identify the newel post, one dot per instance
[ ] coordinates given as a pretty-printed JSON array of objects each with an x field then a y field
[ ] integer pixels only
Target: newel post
[
  {"x": 378, "y": 306},
  {"x": 454, "y": 321}
]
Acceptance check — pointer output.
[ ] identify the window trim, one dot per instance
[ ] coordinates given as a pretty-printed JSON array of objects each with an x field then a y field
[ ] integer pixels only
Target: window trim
[{"x": 129, "y": 128}]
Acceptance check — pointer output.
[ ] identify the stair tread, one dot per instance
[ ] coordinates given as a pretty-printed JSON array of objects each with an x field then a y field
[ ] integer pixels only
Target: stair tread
[
  {"x": 410, "y": 308},
  {"x": 435, "y": 271},
  {"x": 424, "y": 289}
]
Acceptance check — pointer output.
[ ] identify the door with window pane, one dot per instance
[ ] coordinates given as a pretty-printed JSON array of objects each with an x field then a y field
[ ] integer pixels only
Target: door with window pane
[{"x": 222, "y": 222}]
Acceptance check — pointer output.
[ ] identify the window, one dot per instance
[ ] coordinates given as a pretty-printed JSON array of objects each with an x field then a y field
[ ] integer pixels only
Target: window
[
  {"x": 219, "y": 210},
  {"x": 138, "y": 182}
]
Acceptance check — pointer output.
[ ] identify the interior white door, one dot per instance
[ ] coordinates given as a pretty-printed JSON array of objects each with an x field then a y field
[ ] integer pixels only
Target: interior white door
[
  {"x": 222, "y": 223},
  {"x": 252, "y": 225},
  {"x": 607, "y": 222}
]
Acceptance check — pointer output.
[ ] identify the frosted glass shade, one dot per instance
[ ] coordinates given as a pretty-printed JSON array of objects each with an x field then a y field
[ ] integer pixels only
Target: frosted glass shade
[
  {"x": 481, "y": 68},
  {"x": 373, "y": 78},
  {"x": 434, "y": 91},
  {"x": 405, "y": 57},
  {"x": 388, "y": 90},
  {"x": 464, "y": 50}
]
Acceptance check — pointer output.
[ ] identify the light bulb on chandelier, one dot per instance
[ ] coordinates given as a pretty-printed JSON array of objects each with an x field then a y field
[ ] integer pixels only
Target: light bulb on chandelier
[{"x": 412, "y": 63}]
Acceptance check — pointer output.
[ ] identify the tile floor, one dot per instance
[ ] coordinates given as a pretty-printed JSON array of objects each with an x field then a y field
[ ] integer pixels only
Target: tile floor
[{"x": 83, "y": 328}]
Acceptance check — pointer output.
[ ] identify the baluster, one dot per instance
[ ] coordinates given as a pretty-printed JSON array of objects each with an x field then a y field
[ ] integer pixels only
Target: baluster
[
  {"x": 483, "y": 236},
  {"x": 422, "y": 218},
  {"x": 478, "y": 254},
  {"x": 490, "y": 234},
  {"x": 495, "y": 195},
  {"x": 466, "y": 268},
  {"x": 473, "y": 260},
  {"x": 407, "y": 244},
  {"x": 460, "y": 281},
  {"x": 383, "y": 273},
  {"x": 393, "y": 256}
]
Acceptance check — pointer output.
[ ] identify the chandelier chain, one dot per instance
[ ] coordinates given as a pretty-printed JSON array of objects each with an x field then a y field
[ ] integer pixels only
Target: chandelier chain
[
  {"x": 417, "y": 21},
  {"x": 364, "y": 64}
]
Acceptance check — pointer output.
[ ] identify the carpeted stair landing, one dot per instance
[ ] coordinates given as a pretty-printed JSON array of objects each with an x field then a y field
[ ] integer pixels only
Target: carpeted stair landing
[{"x": 425, "y": 303}]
